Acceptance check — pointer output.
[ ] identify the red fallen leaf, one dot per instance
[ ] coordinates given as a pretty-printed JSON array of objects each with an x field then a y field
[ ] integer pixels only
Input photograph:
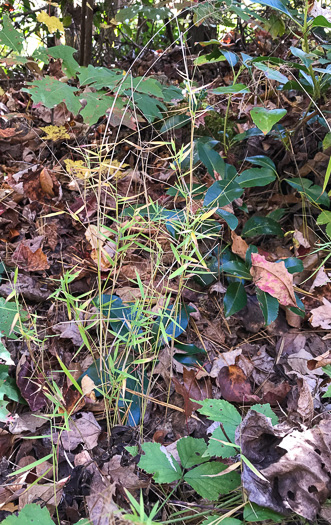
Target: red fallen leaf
[
  {"x": 27, "y": 259},
  {"x": 235, "y": 386},
  {"x": 274, "y": 279},
  {"x": 275, "y": 394},
  {"x": 31, "y": 385},
  {"x": 7, "y": 133},
  {"x": 192, "y": 389}
]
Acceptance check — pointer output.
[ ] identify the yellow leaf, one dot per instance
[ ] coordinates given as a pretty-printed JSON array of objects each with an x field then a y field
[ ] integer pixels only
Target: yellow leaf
[
  {"x": 77, "y": 168},
  {"x": 208, "y": 214},
  {"x": 1, "y": 92},
  {"x": 55, "y": 132},
  {"x": 52, "y": 22}
]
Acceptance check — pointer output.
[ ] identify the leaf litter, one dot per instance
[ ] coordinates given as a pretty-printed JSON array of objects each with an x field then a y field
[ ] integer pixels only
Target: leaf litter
[{"x": 50, "y": 228}]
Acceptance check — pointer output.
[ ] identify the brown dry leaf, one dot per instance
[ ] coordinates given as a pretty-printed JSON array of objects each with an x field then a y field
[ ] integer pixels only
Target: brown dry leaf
[
  {"x": 124, "y": 476},
  {"x": 7, "y": 133},
  {"x": 103, "y": 249},
  {"x": 321, "y": 316},
  {"x": 84, "y": 429},
  {"x": 300, "y": 404},
  {"x": 234, "y": 385},
  {"x": 275, "y": 394},
  {"x": 69, "y": 330},
  {"x": 239, "y": 246},
  {"x": 49, "y": 494},
  {"x": 320, "y": 280},
  {"x": 46, "y": 182},
  {"x": 273, "y": 278},
  {"x": 192, "y": 389},
  {"x": 88, "y": 387},
  {"x": 100, "y": 502},
  {"x": 27, "y": 259},
  {"x": 6, "y": 443},
  {"x": 27, "y": 422},
  {"x": 319, "y": 361},
  {"x": 297, "y": 480}
]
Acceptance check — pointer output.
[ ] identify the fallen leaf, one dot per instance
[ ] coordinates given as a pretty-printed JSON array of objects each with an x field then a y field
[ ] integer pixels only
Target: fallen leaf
[
  {"x": 26, "y": 422},
  {"x": 234, "y": 385},
  {"x": 319, "y": 361},
  {"x": 296, "y": 465},
  {"x": 31, "y": 384},
  {"x": 274, "y": 279},
  {"x": 49, "y": 494},
  {"x": 321, "y": 316},
  {"x": 275, "y": 394},
  {"x": 55, "y": 133},
  {"x": 84, "y": 429},
  {"x": 27, "y": 259},
  {"x": 320, "y": 280},
  {"x": 192, "y": 389},
  {"x": 123, "y": 476},
  {"x": 103, "y": 249},
  {"x": 239, "y": 246},
  {"x": 69, "y": 330}
]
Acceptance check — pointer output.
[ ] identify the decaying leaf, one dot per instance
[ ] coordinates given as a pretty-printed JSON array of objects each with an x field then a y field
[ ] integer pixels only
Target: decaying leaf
[
  {"x": 321, "y": 279},
  {"x": 69, "y": 330},
  {"x": 192, "y": 389},
  {"x": 273, "y": 278},
  {"x": 239, "y": 246},
  {"x": 82, "y": 429},
  {"x": 235, "y": 386},
  {"x": 26, "y": 257},
  {"x": 296, "y": 465},
  {"x": 103, "y": 249},
  {"x": 321, "y": 316}
]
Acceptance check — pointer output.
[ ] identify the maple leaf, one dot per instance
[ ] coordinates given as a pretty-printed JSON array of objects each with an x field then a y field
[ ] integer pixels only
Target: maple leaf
[
  {"x": 56, "y": 132},
  {"x": 273, "y": 278}
]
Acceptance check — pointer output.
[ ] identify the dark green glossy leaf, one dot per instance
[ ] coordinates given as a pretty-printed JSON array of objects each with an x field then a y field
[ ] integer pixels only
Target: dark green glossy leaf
[
  {"x": 271, "y": 73},
  {"x": 313, "y": 192},
  {"x": 175, "y": 122},
  {"x": 235, "y": 299},
  {"x": 293, "y": 264},
  {"x": 236, "y": 268},
  {"x": 209, "y": 157},
  {"x": 261, "y": 226},
  {"x": 253, "y": 512},
  {"x": 222, "y": 193},
  {"x": 263, "y": 161},
  {"x": 255, "y": 177},
  {"x": 269, "y": 306},
  {"x": 229, "y": 218}
]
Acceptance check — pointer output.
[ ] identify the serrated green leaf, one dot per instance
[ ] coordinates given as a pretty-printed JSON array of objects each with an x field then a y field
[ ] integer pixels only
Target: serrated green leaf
[
  {"x": 265, "y": 119},
  {"x": 222, "y": 411},
  {"x": 253, "y": 512},
  {"x": 160, "y": 463},
  {"x": 218, "y": 449},
  {"x": 235, "y": 299},
  {"x": 211, "y": 487},
  {"x": 267, "y": 411},
  {"x": 50, "y": 92},
  {"x": 222, "y": 192},
  {"x": 9, "y": 36},
  {"x": 31, "y": 514},
  {"x": 191, "y": 450},
  {"x": 255, "y": 177},
  {"x": 150, "y": 108},
  {"x": 97, "y": 105},
  {"x": 219, "y": 520},
  {"x": 269, "y": 306},
  {"x": 261, "y": 226}
]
